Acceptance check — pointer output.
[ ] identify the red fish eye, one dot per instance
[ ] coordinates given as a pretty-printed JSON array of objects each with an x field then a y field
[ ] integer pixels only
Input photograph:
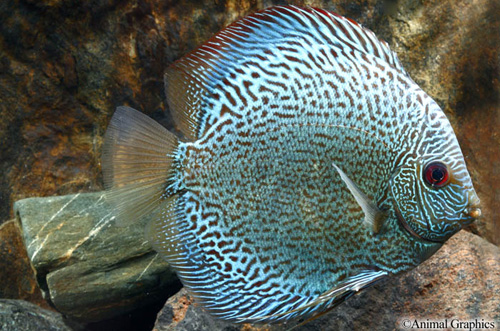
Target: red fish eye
[{"x": 436, "y": 174}]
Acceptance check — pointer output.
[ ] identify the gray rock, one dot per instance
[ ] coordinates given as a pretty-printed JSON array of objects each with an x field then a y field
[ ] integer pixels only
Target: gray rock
[
  {"x": 17, "y": 315},
  {"x": 461, "y": 282},
  {"x": 87, "y": 267}
]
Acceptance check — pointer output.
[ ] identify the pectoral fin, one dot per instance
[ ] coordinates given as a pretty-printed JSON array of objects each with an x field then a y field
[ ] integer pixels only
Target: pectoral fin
[{"x": 374, "y": 217}]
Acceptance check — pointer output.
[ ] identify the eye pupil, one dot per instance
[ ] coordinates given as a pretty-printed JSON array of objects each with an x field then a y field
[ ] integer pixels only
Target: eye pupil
[{"x": 436, "y": 174}]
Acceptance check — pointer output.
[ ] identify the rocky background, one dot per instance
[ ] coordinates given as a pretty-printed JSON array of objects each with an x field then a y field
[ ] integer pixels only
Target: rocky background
[{"x": 65, "y": 66}]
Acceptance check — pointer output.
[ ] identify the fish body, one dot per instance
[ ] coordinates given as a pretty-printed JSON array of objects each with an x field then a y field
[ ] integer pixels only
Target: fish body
[{"x": 310, "y": 166}]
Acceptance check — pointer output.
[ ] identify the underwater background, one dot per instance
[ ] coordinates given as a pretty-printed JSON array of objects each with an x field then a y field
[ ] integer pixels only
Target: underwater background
[{"x": 65, "y": 66}]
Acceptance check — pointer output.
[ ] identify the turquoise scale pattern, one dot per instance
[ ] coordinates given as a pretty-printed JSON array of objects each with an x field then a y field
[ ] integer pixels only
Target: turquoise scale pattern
[{"x": 261, "y": 226}]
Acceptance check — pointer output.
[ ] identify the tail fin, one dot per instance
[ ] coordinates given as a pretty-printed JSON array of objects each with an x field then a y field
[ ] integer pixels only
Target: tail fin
[{"x": 136, "y": 164}]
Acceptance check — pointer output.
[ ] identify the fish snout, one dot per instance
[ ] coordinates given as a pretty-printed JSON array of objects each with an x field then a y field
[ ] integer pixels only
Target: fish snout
[{"x": 473, "y": 209}]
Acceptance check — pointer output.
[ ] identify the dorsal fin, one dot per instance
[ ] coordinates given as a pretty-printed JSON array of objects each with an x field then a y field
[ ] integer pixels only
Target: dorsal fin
[
  {"x": 184, "y": 88},
  {"x": 194, "y": 82}
]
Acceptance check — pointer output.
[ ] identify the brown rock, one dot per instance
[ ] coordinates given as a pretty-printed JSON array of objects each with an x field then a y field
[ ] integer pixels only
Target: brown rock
[
  {"x": 461, "y": 281},
  {"x": 17, "y": 279}
]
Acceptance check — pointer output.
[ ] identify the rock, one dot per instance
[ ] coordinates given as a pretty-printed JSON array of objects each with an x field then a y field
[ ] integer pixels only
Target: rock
[
  {"x": 461, "y": 281},
  {"x": 16, "y": 315},
  {"x": 88, "y": 268},
  {"x": 179, "y": 313},
  {"x": 17, "y": 279}
]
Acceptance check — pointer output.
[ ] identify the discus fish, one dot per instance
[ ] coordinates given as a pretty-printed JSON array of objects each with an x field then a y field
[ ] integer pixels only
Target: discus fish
[{"x": 308, "y": 166}]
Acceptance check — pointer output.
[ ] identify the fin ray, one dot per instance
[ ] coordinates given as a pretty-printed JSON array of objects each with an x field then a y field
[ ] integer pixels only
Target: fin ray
[
  {"x": 336, "y": 294},
  {"x": 136, "y": 160},
  {"x": 193, "y": 82},
  {"x": 373, "y": 215}
]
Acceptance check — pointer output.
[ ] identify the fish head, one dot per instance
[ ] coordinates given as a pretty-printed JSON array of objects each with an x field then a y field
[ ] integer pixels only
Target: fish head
[{"x": 432, "y": 190}]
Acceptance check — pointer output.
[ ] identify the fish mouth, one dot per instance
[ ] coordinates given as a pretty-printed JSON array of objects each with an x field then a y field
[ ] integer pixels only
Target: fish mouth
[
  {"x": 470, "y": 214},
  {"x": 473, "y": 210}
]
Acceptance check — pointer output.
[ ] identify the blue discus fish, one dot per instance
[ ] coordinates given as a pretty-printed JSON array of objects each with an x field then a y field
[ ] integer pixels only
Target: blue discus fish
[{"x": 309, "y": 166}]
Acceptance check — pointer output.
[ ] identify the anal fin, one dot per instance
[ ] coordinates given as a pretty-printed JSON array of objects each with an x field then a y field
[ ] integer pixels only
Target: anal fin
[
  {"x": 332, "y": 297},
  {"x": 163, "y": 233}
]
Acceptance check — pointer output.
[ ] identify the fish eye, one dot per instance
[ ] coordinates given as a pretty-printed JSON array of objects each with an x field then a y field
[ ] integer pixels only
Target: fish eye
[{"x": 436, "y": 174}]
